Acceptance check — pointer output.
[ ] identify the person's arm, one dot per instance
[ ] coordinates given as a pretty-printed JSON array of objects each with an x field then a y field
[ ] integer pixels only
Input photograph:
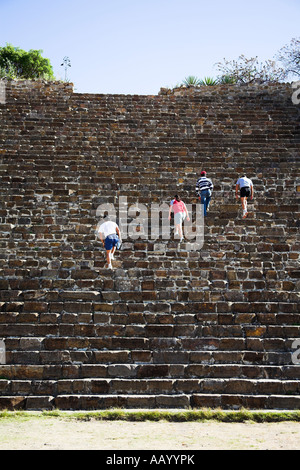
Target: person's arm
[
  {"x": 119, "y": 233},
  {"x": 170, "y": 210},
  {"x": 237, "y": 191},
  {"x": 187, "y": 214},
  {"x": 99, "y": 233},
  {"x": 101, "y": 237},
  {"x": 252, "y": 192}
]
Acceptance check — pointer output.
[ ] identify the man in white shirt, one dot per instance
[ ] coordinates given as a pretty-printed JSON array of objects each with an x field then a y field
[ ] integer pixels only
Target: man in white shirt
[
  {"x": 246, "y": 189},
  {"x": 110, "y": 236}
]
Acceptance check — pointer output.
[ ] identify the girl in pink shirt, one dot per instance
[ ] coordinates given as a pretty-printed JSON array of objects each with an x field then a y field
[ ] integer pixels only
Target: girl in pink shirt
[{"x": 180, "y": 213}]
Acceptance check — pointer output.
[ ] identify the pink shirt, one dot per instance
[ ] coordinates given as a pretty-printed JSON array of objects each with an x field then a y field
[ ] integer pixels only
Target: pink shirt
[{"x": 178, "y": 206}]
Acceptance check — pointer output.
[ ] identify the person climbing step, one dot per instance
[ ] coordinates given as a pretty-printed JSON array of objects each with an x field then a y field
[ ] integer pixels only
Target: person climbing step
[
  {"x": 245, "y": 186},
  {"x": 110, "y": 236}
]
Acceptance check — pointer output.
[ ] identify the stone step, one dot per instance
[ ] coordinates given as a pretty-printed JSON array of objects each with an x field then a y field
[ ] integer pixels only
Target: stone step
[
  {"x": 158, "y": 401},
  {"x": 263, "y": 309},
  {"x": 254, "y": 308},
  {"x": 108, "y": 355},
  {"x": 150, "y": 387},
  {"x": 168, "y": 327},
  {"x": 139, "y": 350},
  {"x": 136, "y": 371},
  {"x": 87, "y": 328}
]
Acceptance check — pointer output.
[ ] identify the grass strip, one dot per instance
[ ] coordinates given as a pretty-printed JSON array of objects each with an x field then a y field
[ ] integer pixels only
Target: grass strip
[{"x": 184, "y": 416}]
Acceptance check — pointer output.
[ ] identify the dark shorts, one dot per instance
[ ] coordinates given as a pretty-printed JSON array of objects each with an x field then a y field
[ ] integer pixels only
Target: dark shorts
[
  {"x": 111, "y": 241},
  {"x": 245, "y": 192}
]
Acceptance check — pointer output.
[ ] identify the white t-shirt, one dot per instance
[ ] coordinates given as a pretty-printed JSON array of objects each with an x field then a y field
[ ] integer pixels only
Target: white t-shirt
[
  {"x": 108, "y": 228},
  {"x": 244, "y": 182}
]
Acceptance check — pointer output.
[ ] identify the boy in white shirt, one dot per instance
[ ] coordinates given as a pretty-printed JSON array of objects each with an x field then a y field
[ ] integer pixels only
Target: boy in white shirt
[
  {"x": 246, "y": 190},
  {"x": 110, "y": 236}
]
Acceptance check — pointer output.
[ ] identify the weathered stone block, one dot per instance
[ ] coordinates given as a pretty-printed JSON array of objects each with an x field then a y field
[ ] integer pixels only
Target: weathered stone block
[{"x": 121, "y": 370}]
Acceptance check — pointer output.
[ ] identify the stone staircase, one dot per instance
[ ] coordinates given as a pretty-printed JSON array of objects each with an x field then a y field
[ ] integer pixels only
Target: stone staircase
[{"x": 169, "y": 327}]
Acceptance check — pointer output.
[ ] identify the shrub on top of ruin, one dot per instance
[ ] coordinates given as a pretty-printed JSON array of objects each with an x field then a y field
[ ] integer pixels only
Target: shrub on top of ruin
[
  {"x": 191, "y": 80},
  {"x": 9, "y": 71},
  {"x": 245, "y": 71},
  {"x": 15, "y": 63},
  {"x": 289, "y": 56},
  {"x": 209, "y": 81},
  {"x": 226, "y": 80}
]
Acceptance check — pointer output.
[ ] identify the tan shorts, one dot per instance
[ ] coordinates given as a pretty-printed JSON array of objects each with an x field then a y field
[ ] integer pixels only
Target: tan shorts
[{"x": 179, "y": 218}]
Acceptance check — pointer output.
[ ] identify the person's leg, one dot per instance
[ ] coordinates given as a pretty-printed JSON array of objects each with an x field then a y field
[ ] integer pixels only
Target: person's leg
[
  {"x": 178, "y": 229},
  {"x": 108, "y": 246},
  {"x": 244, "y": 193},
  {"x": 181, "y": 220},
  {"x": 208, "y": 198},
  {"x": 203, "y": 201},
  {"x": 113, "y": 252},
  {"x": 177, "y": 223},
  {"x": 108, "y": 257},
  {"x": 244, "y": 206}
]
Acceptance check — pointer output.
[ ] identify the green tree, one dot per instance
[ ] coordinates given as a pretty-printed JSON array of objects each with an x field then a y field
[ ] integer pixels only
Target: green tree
[{"x": 17, "y": 63}]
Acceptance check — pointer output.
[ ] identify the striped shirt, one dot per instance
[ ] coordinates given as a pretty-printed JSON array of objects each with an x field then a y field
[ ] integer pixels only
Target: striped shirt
[{"x": 203, "y": 183}]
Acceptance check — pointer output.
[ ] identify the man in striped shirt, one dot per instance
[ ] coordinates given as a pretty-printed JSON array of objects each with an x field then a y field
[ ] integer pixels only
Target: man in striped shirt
[{"x": 204, "y": 188}]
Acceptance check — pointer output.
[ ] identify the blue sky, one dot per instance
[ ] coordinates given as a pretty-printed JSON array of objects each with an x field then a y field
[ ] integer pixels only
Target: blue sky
[{"x": 139, "y": 46}]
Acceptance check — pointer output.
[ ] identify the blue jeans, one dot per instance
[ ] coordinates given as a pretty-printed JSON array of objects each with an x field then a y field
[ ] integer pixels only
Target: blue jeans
[
  {"x": 111, "y": 241},
  {"x": 205, "y": 199}
]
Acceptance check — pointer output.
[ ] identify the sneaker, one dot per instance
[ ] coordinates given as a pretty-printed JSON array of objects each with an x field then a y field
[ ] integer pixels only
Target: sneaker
[
  {"x": 245, "y": 213},
  {"x": 109, "y": 266}
]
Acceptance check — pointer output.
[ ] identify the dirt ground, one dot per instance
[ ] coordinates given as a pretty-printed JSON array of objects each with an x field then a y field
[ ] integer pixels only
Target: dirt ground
[{"x": 62, "y": 434}]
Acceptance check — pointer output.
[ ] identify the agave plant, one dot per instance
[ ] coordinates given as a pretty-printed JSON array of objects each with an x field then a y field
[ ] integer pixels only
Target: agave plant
[
  {"x": 227, "y": 79},
  {"x": 191, "y": 81},
  {"x": 208, "y": 81}
]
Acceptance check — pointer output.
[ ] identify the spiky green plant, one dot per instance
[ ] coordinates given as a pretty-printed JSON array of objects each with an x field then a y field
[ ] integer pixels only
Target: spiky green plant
[
  {"x": 227, "y": 79},
  {"x": 208, "y": 81},
  {"x": 191, "y": 80}
]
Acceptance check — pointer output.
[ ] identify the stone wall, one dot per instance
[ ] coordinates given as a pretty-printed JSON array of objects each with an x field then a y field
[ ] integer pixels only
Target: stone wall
[{"x": 169, "y": 327}]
